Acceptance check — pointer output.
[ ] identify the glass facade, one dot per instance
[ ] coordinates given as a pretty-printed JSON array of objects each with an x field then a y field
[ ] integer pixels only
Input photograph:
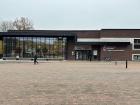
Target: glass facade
[
  {"x": 136, "y": 57},
  {"x": 1, "y": 49},
  {"x": 136, "y": 43},
  {"x": 26, "y": 47}
]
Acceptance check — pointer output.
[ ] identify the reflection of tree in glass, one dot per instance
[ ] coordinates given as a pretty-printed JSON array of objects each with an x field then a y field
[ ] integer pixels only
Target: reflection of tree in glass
[
  {"x": 1, "y": 47},
  {"x": 58, "y": 47}
]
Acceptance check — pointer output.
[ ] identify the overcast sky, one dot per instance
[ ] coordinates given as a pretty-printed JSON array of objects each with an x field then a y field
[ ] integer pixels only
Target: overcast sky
[{"x": 74, "y": 14}]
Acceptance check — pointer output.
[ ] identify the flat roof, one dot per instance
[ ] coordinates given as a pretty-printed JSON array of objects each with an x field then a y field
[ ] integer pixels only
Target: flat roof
[
  {"x": 37, "y": 33},
  {"x": 120, "y": 29},
  {"x": 64, "y": 33}
]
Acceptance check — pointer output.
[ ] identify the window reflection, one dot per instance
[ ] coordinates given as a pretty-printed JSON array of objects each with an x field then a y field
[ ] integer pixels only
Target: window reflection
[{"x": 26, "y": 47}]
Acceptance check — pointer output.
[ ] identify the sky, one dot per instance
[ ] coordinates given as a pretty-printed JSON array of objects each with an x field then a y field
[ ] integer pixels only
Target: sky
[{"x": 74, "y": 14}]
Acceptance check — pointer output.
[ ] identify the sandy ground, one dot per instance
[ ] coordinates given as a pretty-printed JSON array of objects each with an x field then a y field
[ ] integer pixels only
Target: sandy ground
[{"x": 69, "y": 83}]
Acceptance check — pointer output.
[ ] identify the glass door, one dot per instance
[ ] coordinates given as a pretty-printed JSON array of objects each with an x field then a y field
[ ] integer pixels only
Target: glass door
[{"x": 83, "y": 54}]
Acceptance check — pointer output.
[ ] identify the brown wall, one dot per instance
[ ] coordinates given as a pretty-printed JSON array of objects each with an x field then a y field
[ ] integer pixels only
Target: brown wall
[
  {"x": 109, "y": 33},
  {"x": 70, "y": 48},
  {"x": 83, "y": 47},
  {"x": 120, "y": 33},
  {"x": 97, "y": 47},
  {"x": 88, "y": 34},
  {"x": 117, "y": 55},
  {"x": 136, "y": 51}
]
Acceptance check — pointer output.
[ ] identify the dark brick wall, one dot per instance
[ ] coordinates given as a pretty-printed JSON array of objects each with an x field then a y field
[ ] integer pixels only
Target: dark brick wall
[
  {"x": 88, "y": 34},
  {"x": 120, "y": 33},
  {"x": 69, "y": 48},
  {"x": 98, "y": 48},
  {"x": 136, "y": 51},
  {"x": 83, "y": 47},
  {"x": 117, "y": 55}
]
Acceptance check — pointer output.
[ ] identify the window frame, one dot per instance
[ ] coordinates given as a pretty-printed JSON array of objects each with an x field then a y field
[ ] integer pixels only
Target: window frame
[
  {"x": 133, "y": 57},
  {"x": 134, "y": 44}
]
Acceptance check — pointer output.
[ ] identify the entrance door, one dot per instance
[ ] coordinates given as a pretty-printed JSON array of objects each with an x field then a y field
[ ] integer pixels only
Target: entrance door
[
  {"x": 86, "y": 55},
  {"x": 83, "y": 55}
]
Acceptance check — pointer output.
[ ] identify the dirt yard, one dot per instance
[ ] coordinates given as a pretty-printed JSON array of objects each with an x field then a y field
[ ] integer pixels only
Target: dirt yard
[{"x": 70, "y": 83}]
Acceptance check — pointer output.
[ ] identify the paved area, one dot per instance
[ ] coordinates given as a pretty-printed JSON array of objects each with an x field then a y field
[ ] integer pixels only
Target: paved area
[{"x": 69, "y": 83}]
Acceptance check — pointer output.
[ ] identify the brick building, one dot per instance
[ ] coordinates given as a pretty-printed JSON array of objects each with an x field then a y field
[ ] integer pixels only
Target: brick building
[{"x": 104, "y": 44}]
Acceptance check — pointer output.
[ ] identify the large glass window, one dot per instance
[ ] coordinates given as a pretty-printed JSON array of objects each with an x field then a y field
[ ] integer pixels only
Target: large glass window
[
  {"x": 61, "y": 47},
  {"x": 47, "y": 49},
  {"x": 30, "y": 49},
  {"x": 1, "y": 47},
  {"x": 136, "y": 43},
  {"x": 17, "y": 47},
  {"x": 136, "y": 57},
  {"x": 9, "y": 45},
  {"x": 21, "y": 45},
  {"x": 26, "y": 47},
  {"x": 5, "y": 47},
  {"x": 34, "y": 44}
]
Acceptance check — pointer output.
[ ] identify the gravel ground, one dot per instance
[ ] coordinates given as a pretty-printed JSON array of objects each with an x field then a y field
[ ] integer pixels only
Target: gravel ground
[{"x": 69, "y": 83}]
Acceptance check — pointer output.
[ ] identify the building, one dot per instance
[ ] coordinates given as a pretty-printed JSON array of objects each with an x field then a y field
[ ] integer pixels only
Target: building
[{"x": 104, "y": 44}]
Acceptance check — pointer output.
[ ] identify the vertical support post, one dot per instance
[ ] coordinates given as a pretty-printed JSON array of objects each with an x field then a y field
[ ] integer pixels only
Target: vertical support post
[
  {"x": 90, "y": 58},
  {"x": 126, "y": 64},
  {"x": 91, "y": 54}
]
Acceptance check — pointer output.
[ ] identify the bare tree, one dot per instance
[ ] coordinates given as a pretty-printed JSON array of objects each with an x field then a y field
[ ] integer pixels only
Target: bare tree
[
  {"x": 23, "y": 23},
  {"x": 6, "y": 25}
]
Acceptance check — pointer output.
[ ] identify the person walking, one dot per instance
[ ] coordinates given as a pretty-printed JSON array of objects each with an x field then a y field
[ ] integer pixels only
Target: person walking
[
  {"x": 90, "y": 56},
  {"x": 35, "y": 59}
]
